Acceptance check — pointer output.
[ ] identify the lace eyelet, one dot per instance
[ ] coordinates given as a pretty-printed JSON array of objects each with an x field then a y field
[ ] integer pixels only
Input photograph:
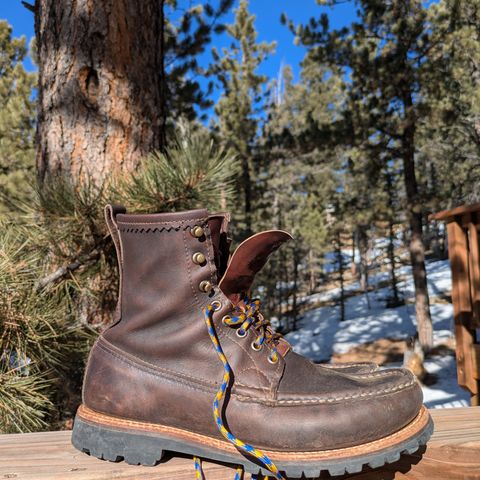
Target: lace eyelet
[
  {"x": 224, "y": 319},
  {"x": 271, "y": 360},
  {"x": 256, "y": 347},
  {"x": 241, "y": 335},
  {"x": 216, "y": 305}
]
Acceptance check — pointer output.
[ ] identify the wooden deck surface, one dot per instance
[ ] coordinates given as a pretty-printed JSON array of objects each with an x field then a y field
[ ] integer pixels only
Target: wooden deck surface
[{"x": 453, "y": 453}]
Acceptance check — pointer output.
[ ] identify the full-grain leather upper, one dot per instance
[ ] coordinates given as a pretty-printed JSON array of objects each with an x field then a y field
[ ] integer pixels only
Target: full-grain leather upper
[{"x": 157, "y": 363}]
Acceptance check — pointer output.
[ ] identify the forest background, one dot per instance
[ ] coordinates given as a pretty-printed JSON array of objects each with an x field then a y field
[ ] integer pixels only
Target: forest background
[{"x": 361, "y": 121}]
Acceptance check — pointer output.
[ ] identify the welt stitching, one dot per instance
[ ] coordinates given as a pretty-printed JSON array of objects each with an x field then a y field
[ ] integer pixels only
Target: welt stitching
[{"x": 102, "y": 418}]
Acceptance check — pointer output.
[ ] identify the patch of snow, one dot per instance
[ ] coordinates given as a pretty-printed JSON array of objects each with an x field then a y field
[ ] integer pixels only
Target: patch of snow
[
  {"x": 445, "y": 392},
  {"x": 363, "y": 324},
  {"x": 320, "y": 333}
]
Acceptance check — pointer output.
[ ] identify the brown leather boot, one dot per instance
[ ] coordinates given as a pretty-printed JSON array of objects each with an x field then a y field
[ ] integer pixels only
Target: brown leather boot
[{"x": 186, "y": 335}]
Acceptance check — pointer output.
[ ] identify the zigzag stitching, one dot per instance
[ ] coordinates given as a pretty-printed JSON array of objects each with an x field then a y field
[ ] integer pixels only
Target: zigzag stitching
[{"x": 153, "y": 230}]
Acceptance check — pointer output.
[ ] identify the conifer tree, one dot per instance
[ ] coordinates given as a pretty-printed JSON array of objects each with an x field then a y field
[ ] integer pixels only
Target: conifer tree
[
  {"x": 388, "y": 53},
  {"x": 236, "y": 70},
  {"x": 17, "y": 111},
  {"x": 450, "y": 137},
  {"x": 188, "y": 29}
]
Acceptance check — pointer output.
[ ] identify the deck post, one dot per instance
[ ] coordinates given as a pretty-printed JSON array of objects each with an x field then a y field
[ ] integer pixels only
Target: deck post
[{"x": 463, "y": 224}]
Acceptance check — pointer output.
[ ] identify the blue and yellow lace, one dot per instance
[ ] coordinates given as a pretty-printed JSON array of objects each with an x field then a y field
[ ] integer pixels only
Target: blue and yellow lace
[{"x": 246, "y": 317}]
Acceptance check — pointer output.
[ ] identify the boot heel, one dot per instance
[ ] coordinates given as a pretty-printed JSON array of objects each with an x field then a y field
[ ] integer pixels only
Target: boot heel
[{"x": 115, "y": 445}]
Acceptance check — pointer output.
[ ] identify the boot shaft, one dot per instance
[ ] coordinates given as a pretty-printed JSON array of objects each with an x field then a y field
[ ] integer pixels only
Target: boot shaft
[{"x": 167, "y": 268}]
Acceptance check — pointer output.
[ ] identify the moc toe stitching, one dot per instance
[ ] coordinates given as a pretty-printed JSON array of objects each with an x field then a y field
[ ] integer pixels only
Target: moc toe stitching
[{"x": 320, "y": 400}]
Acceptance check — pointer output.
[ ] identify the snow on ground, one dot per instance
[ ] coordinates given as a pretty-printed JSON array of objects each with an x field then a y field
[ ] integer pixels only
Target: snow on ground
[
  {"x": 320, "y": 333},
  {"x": 445, "y": 392}
]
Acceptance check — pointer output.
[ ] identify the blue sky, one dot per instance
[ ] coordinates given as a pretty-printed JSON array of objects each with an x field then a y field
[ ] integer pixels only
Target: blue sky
[{"x": 267, "y": 23}]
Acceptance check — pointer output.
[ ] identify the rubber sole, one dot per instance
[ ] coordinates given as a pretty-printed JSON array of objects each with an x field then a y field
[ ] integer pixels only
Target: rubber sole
[{"x": 138, "y": 443}]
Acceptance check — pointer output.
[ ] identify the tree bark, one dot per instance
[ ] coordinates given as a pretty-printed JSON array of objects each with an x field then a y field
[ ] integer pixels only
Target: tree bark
[
  {"x": 414, "y": 213},
  {"x": 312, "y": 283},
  {"x": 391, "y": 239},
  {"x": 362, "y": 240},
  {"x": 100, "y": 86}
]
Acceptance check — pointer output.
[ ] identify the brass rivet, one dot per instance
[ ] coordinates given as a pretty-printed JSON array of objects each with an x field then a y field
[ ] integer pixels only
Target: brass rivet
[
  {"x": 197, "y": 231},
  {"x": 205, "y": 286},
  {"x": 198, "y": 258}
]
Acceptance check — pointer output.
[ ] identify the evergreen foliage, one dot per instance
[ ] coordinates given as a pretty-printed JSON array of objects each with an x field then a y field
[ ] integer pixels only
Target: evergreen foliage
[
  {"x": 58, "y": 272},
  {"x": 240, "y": 104},
  {"x": 187, "y": 32},
  {"x": 16, "y": 118}
]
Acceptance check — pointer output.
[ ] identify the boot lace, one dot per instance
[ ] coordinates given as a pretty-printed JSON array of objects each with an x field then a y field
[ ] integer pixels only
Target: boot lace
[{"x": 247, "y": 315}]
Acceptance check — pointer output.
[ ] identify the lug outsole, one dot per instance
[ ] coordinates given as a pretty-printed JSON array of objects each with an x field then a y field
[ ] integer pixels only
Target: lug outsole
[{"x": 139, "y": 448}]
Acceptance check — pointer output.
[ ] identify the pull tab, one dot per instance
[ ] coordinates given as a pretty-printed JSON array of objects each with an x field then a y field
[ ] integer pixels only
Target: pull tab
[{"x": 111, "y": 212}]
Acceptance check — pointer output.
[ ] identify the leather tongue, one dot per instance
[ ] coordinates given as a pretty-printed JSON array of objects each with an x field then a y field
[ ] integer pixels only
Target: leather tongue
[{"x": 247, "y": 260}]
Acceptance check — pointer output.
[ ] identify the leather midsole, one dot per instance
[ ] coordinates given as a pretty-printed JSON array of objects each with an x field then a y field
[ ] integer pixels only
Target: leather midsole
[{"x": 412, "y": 429}]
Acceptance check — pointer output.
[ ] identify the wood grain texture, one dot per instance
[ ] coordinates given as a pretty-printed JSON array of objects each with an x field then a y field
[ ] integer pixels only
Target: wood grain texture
[{"x": 452, "y": 453}]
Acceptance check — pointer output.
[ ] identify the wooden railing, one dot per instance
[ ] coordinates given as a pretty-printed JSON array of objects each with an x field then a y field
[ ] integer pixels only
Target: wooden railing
[
  {"x": 453, "y": 453},
  {"x": 463, "y": 225}
]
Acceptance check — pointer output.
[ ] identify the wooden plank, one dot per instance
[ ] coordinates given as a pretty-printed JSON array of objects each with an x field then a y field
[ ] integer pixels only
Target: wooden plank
[
  {"x": 447, "y": 215},
  {"x": 458, "y": 254},
  {"x": 474, "y": 270},
  {"x": 476, "y": 359},
  {"x": 452, "y": 453}
]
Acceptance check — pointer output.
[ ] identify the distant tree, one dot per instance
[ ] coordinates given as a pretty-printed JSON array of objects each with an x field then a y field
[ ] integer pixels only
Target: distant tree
[
  {"x": 238, "y": 109},
  {"x": 17, "y": 116},
  {"x": 387, "y": 54},
  {"x": 449, "y": 150},
  {"x": 188, "y": 30}
]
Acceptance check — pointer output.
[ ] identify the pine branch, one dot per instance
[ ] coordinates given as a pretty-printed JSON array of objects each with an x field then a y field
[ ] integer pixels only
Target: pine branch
[
  {"x": 29, "y": 6},
  {"x": 65, "y": 270}
]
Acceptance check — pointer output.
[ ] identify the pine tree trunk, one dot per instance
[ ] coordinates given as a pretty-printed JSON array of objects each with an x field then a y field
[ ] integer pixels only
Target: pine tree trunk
[
  {"x": 414, "y": 212},
  {"x": 363, "y": 251},
  {"x": 391, "y": 239},
  {"x": 100, "y": 89},
  {"x": 296, "y": 261},
  {"x": 391, "y": 258},
  {"x": 341, "y": 273},
  {"x": 312, "y": 279}
]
